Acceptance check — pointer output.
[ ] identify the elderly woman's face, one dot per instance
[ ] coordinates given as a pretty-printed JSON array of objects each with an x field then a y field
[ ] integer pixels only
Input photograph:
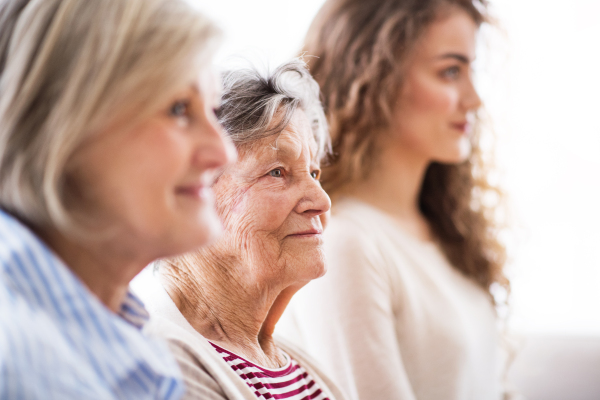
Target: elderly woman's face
[
  {"x": 151, "y": 181},
  {"x": 273, "y": 205}
]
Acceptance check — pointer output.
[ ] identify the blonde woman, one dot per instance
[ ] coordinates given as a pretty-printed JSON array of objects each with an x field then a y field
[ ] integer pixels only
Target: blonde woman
[
  {"x": 404, "y": 311},
  {"x": 108, "y": 148}
]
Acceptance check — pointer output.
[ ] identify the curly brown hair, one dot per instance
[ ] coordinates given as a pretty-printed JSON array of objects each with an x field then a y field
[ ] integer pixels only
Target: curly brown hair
[{"x": 356, "y": 51}]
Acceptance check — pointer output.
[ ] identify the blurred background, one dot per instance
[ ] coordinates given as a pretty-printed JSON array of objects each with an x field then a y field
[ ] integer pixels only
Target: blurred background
[{"x": 538, "y": 74}]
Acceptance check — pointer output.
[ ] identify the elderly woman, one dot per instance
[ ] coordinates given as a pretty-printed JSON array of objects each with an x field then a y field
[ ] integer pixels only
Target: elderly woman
[
  {"x": 108, "y": 146},
  {"x": 220, "y": 304}
]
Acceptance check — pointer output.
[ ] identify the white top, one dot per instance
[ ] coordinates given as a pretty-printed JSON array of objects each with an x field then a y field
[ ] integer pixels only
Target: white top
[
  {"x": 392, "y": 319},
  {"x": 206, "y": 374}
]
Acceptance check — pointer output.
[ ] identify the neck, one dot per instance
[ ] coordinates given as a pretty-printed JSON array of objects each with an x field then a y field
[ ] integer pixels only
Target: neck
[
  {"x": 394, "y": 185},
  {"x": 101, "y": 267},
  {"x": 226, "y": 305}
]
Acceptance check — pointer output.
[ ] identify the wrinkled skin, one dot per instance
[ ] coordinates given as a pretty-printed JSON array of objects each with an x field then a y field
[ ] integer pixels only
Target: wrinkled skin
[{"x": 273, "y": 210}]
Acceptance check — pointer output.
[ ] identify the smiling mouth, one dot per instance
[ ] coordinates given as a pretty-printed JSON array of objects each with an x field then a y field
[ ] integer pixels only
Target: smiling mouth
[{"x": 197, "y": 191}]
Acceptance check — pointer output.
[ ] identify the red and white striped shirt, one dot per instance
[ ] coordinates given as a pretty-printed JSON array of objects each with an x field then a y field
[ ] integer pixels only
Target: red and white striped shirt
[{"x": 290, "y": 382}]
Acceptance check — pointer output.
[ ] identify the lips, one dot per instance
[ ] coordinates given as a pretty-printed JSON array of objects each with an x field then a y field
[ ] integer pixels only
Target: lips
[
  {"x": 464, "y": 127},
  {"x": 198, "y": 187},
  {"x": 195, "y": 191},
  {"x": 307, "y": 233}
]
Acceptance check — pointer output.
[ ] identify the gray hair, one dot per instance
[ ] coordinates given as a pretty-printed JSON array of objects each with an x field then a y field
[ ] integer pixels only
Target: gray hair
[
  {"x": 68, "y": 68},
  {"x": 255, "y": 105}
]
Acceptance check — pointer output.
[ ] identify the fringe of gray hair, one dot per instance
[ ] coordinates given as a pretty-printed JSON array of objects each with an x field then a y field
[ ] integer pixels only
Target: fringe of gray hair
[{"x": 256, "y": 105}]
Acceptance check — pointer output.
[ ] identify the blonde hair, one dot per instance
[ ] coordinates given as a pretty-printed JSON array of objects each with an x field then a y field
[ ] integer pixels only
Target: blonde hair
[
  {"x": 359, "y": 50},
  {"x": 70, "y": 67}
]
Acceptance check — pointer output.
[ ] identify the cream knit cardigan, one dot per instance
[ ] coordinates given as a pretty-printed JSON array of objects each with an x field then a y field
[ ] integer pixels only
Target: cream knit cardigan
[{"x": 206, "y": 375}]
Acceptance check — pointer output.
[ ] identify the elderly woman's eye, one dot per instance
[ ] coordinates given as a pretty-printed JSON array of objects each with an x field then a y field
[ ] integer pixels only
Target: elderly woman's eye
[
  {"x": 316, "y": 174},
  {"x": 180, "y": 108},
  {"x": 276, "y": 173}
]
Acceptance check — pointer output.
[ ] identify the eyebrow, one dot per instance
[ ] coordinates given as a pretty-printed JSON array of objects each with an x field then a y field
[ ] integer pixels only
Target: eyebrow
[
  {"x": 460, "y": 57},
  {"x": 216, "y": 95}
]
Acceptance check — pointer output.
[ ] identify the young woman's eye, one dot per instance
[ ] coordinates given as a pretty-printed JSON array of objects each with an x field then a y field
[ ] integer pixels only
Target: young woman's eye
[
  {"x": 180, "y": 108},
  {"x": 316, "y": 174},
  {"x": 276, "y": 173},
  {"x": 451, "y": 73}
]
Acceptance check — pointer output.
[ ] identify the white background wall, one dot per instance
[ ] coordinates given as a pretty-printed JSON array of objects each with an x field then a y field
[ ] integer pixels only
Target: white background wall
[{"x": 540, "y": 81}]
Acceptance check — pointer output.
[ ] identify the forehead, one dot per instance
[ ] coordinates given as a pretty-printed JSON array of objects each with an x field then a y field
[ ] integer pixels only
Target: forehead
[
  {"x": 207, "y": 83},
  {"x": 296, "y": 139},
  {"x": 454, "y": 32}
]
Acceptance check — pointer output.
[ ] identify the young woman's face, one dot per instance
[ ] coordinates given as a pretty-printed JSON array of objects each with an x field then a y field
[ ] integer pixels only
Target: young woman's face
[
  {"x": 150, "y": 182},
  {"x": 437, "y": 102}
]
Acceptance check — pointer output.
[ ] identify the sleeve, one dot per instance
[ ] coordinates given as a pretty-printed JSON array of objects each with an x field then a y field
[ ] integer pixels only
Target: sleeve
[
  {"x": 346, "y": 319},
  {"x": 199, "y": 384}
]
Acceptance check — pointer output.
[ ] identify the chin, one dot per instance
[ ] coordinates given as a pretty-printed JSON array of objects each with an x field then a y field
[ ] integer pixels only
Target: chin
[
  {"x": 197, "y": 231},
  {"x": 457, "y": 155},
  {"x": 210, "y": 230},
  {"x": 318, "y": 268},
  {"x": 306, "y": 269}
]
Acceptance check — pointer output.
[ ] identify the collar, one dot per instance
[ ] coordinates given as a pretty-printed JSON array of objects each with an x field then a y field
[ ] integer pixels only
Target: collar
[{"x": 22, "y": 250}]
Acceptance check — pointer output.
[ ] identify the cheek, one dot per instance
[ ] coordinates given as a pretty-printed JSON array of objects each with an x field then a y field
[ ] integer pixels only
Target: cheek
[
  {"x": 130, "y": 177},
  {"x": 254, "y": 219},
  {"x": 152, "y": 166},
  {"x": 433, "y": 99},
  {"x": 261, "y": 211}
]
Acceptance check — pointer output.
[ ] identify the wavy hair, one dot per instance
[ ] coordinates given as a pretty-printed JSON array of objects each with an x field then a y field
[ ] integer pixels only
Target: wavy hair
[{"x": 356, "y": 51}]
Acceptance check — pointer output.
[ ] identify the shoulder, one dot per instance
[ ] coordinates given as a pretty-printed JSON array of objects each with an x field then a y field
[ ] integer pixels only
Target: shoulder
[
  {"x": 186, "y": 346},
  {"x": 350, "y": 229},
  {"x": 358, "y": 240},
  {"x": 37, "y": 360},
  {"x": 312, "y": 367},
  {"x": 34, "y": 339},
  {"x": 351, "y": 217},
  {"x": 199, "y": 380},
  {"x": 358, "y": 227},
  {"x": 205, "y": 373}
]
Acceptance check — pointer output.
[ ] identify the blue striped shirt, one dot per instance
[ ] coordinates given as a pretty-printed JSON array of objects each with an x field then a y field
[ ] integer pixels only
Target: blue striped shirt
[{"x": 58, "y": 341}]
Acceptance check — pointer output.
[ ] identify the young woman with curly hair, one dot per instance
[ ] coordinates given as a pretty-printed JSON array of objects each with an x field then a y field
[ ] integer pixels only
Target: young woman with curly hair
[{"x": 405, "y": 310}]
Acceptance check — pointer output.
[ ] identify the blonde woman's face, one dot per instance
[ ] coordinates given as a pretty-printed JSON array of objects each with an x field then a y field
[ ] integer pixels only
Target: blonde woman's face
[
  {"x": 150, "y": 182},
  {"x": 437, "y": 102}
]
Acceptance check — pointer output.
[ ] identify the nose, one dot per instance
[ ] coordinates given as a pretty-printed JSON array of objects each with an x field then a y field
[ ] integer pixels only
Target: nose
[
  {"x": 213, "y": 148},
  {"x": 314, "y": 200},
  {"x": 471, "y": 99}
]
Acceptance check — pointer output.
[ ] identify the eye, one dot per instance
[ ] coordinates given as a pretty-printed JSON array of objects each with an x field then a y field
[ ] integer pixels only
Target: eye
[
  {"x": 276, "y": 173},
  {"x": 316, "y": 174},
  {"x": 180, "y": 108},
  {"x": 451, "y": 73}
]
